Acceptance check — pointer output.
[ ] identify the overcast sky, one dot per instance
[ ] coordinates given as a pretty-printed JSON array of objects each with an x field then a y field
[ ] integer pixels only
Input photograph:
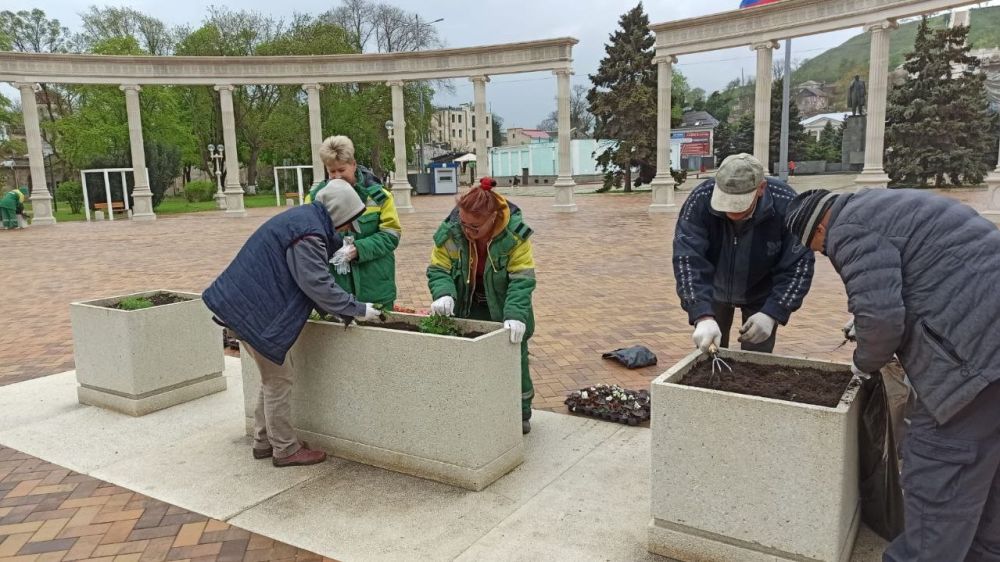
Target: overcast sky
[{"x": 521, "y": 100}]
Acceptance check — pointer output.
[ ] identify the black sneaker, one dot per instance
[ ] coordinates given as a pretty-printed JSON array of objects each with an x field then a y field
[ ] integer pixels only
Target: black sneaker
[{"x": 525, "y": 427}]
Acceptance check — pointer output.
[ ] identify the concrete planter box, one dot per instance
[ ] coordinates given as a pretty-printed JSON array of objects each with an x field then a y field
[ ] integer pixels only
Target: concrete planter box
[
  {"x": 738, "y": 477},
  {"x": 141, "y": 361},
  {"x": 439, "y": 407}
]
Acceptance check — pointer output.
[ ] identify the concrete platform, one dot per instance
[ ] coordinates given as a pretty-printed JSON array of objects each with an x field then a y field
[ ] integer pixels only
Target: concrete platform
[{"x": 581, "y": 494}]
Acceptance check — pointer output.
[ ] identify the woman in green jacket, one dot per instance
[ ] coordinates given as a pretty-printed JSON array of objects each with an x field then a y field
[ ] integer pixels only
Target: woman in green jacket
[
  {"x": 482, "y": 268},
  {"x": 367, "y": 266},
  {"x": 10, "y": 202}
]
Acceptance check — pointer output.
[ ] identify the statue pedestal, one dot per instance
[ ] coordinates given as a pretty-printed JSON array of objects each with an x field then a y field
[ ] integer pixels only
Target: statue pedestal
[{"x": 852, "y": 148}]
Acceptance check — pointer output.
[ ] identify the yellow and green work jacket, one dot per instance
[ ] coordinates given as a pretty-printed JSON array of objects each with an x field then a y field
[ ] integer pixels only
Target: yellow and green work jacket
[
  {"x": 376, "y": 235},
  {"x": 508, "y": 278}
]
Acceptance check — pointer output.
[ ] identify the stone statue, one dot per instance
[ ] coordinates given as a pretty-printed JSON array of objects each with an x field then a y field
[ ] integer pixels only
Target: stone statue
[{"x": 857, "y": 96}]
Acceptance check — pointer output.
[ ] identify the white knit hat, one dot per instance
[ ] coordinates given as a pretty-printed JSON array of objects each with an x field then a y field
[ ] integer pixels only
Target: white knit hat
[{"x": 341, "y": 202}]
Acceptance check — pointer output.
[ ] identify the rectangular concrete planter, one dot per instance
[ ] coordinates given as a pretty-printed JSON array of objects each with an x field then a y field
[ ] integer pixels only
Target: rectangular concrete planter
[
  {"x": 141, "y": 361},
  {"x": 439, "y": 407},
  {"x": 738, "y": 477}
]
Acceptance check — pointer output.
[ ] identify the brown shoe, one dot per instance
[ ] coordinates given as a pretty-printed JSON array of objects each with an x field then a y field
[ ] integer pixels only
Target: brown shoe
[
  {"x": 302, "y": 457},
  {"x": 268, "y": 452}
]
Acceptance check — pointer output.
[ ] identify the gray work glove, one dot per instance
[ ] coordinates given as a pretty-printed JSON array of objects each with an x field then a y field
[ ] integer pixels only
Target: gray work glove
[{"x": 850, "y": 333}]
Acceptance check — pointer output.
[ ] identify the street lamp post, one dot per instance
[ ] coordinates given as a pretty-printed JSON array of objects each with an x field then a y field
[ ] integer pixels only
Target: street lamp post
[{"x": 216, "y": 153}]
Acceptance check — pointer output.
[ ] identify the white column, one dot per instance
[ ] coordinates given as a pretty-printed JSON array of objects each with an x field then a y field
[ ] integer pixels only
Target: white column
[
  {"x": 873, "y": 175},
  {"x": 41, "y": 201},
  {"x": 482, "y": 153},
  {"x": 564, "y": 184},
  {"x": 663, "y": 183},
  {"x": 233, "y": 191},
  {"x": 762, "y": 101},
  {"x": 315, "y": 130},
  {"x": 141, "y": 193},
  {"x": 993, "y": 187},
  {"x": 400, "y": 183}
]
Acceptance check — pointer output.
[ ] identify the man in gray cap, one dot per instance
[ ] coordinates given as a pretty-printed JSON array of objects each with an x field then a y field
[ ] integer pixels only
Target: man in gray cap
[
  {"x": 921, "y": 273},
  {"x": 731, "y": 250},
  {"x": 266, "y": 295}
]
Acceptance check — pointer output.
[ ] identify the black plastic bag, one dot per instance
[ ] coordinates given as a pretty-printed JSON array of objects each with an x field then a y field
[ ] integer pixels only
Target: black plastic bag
[
  {"x": 632, "y": 357},
  {"x": 881, "y": 494}
]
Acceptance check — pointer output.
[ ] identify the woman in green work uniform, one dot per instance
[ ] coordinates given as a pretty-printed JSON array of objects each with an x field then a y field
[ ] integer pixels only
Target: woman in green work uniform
[{"x": 482, "y": 268}]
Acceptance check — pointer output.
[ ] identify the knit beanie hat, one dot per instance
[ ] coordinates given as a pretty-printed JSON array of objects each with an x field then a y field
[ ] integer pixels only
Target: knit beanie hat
[
  {"x": 806, "y": 211},
  {"x": 341, "y": 202}
]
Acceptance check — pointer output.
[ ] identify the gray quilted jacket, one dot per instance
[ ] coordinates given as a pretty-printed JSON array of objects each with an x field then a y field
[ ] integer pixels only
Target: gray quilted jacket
[{"x": 922, "y": 274}]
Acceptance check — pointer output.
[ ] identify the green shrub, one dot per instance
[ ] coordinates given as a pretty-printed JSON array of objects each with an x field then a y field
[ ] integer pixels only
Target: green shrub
[
  {"x": 440, "y": 325},
  {"x": 135, "y": 303},
  {"x": 199, "y": 190},
  {"x": 72, "y": 193}
]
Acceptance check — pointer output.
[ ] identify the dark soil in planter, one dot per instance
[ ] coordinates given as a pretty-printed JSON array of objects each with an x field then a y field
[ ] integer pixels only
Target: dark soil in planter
[
  {"x": 159, "y": 299},
  {"x": 804, "y": 385},
  {"x": 405, "y": 327}
]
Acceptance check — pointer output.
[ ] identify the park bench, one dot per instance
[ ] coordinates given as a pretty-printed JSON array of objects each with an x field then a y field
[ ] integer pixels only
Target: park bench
[{"x": 116, "y": 207}]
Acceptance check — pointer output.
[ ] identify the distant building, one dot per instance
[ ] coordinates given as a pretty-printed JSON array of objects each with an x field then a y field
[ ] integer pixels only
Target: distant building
[
  {"x": 518, "y": 136},
  {"x": 810, "y": 99},
  {"x": 814, "y": 125},
  {"x": 455, "y": 127}
]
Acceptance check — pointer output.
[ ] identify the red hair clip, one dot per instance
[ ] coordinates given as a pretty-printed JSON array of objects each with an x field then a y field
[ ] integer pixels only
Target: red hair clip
[{"x": 487, "y": 183}]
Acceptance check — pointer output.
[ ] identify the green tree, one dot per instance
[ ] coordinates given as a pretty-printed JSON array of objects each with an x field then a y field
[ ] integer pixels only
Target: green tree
[
  {"x": 939, "y": 125},
  {"x": 97, "y": 132},
  {"x": 497, "y": 126},
  {"x": 110, "y": 22},
  {"x": 623, "y": 96},
  {"x": 797, "y": 137}
]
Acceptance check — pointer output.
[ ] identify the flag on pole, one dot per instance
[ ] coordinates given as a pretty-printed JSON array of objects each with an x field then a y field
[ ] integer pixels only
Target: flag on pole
[{"x": 755, "y": 3}]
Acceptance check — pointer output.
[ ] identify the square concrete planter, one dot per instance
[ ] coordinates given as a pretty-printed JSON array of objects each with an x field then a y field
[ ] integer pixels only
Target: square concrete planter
[
  {"x": 738, "y": 477},
  {"x": 141, "y": 361},
  {"x": 438, "y": 407}
]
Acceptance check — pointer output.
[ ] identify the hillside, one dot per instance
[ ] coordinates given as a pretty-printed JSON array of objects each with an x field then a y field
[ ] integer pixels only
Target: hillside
[{"x": 839, "y": 65}]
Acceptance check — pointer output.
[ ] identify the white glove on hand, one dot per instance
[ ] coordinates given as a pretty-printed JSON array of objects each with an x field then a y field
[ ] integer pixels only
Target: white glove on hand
[
  {"x": 341, "y": 259},
  {"x": 849, "y": 332},
  {"x": 516, "y": 328},
  {"x": 444, "y": 306},
  {"x": 707, "y": 332},
  {"x": 858, "y": 372},
  {"x": 757, "y": 328},
  {"x": 371, "y": 313}
]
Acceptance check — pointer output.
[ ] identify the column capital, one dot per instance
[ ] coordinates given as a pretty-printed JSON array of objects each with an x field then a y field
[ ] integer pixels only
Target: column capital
[
  {"x": 669, "y": 59},
  {"x": 481, "y": 78},
  {"x": 563, "y": 72},
  {"x": 881, "y": 25},
  {"x": 35, "y": 86},
  {"x": 130, "y": 87},
  {"x": 313, "y": 86},
  {"x": 769, "y": 44},
  {"x": 224, "y": 88},
  {"x": 396, "y": 83}
]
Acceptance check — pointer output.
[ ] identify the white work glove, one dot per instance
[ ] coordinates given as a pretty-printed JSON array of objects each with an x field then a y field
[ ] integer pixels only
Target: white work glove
[
  {"x": 341, "y": 259},
  {"x": 516, "y": 328},
  {"x": 757, "y": 328},
  {"x": 371, "y": 313},
  {"x": 444, "y": 306},
  {"x": 706, "y": 333},
  {"x": 859, "y": 373},
  {"x": 849, "y": 332}
]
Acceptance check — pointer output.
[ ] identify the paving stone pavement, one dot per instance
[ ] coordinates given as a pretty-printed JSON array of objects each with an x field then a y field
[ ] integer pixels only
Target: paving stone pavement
[
  {"x": 604, "y": 281},
  {"x": 49, "y": 514}
]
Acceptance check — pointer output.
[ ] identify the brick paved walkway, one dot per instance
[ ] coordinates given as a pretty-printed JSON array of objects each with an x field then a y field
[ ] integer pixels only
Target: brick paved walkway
[
  {"x": 48, "y": 514},
  {"x": 604, "y": 277}
]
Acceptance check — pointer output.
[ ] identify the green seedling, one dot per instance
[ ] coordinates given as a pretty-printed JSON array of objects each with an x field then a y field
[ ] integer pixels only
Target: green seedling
[
  {"x": 440, "y": 325},
  {"x": 134, "y": 303}
]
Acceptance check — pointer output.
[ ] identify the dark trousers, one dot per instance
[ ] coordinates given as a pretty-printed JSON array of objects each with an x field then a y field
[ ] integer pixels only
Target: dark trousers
[
  {"x": 951, "y": 485},
  {"x": 724, "y": 316}
]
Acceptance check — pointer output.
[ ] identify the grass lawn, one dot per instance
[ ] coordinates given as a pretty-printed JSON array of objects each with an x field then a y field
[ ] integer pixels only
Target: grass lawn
[{"x": 170, "y": 206}]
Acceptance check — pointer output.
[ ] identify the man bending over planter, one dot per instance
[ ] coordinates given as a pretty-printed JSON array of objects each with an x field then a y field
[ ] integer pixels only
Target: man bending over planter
[
  {"x": 731, "y": 250},
  {"x": 921, "y": 273},
  {"x": 266, "y": 295}
]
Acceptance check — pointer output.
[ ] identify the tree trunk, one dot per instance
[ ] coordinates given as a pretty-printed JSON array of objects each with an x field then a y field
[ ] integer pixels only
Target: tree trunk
[
  {"x": 252, "y": 165},
  {"x": 628, "y": 178}
]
